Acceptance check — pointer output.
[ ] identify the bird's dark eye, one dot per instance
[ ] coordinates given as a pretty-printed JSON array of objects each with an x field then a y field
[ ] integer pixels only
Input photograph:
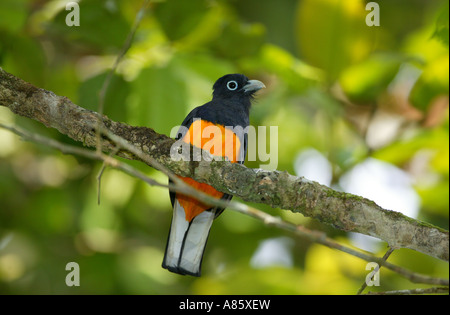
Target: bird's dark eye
[{"x": 232, "y": 85}]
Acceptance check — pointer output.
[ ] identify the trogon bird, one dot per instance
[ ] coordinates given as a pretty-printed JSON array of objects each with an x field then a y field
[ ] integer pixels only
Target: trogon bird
[{"x": 227, "y": 112}]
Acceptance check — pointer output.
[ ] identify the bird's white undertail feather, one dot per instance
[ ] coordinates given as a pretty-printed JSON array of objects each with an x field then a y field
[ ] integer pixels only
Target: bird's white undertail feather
[
  {"x": 187, "y": 241},
  {"x": 177, "y": 230}
]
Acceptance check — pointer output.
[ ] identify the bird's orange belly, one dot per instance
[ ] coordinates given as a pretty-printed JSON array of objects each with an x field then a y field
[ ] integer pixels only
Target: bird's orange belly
[{"x": 217, "y": 140}]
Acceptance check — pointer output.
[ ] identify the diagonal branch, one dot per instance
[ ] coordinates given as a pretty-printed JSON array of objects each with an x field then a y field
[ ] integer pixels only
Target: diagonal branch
[
  {"x": 311, "y": 235},
  {"x": 277, "y": 189}
]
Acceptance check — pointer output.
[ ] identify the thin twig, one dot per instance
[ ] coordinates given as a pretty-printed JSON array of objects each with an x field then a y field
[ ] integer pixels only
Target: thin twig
[
  {"x": 100, "y": 173},
  {"x": 73, "y": 150},
  {"x": 433, "y": 290},
  {"x": 377, "y": 268}
]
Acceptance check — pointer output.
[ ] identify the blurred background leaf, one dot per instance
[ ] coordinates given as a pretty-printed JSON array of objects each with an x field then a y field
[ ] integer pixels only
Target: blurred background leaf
[
  {"x": 115, "y": 97},
  {"x": 13, "y": 14},
  {"x": 178, "y": 18},
  {"x": 102, "y": 25},
  {"x": 442, "y": 31}
]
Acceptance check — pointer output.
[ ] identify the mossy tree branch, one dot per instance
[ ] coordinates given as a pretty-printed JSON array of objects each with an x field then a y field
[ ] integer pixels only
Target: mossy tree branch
[{"x": 277, "y": 189}]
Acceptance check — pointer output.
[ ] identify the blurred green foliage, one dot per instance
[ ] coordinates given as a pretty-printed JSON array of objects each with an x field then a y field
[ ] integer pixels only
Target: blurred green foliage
[{"x": 333, "y": 84}]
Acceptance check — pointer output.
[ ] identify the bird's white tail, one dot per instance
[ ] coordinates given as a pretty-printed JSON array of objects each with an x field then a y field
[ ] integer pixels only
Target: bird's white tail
[{"x": 187, "y": 240}]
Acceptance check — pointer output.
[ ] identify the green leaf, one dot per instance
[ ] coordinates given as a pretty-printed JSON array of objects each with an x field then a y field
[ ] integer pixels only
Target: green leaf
[
  {"x": 13, "y": 15},
  {"x": 433, "y": 82},
  {"x": 435, "y": 198},
  {"x": 115, "y": 97},
  {"x": 332, "y": 34},
  {"x": 239, "y": 40},
  {"x": 179, "y": 17},
  {"x": 278, "y": 17},
  {"x": 23, "y": 56},
  {"x": 296, "y": 73},
  {"x": 401, "y": 152},
  {"x": 159, "y": 99},
  {"x": 442, "y": 25},
  {"x": 205, "y": 66},
  {"x": 101, "y": 25},
  {"x": 365, "y": 81}
]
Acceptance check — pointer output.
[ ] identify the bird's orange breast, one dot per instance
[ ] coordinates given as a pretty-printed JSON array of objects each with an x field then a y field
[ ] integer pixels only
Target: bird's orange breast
[{"x": 217, "y": 140}]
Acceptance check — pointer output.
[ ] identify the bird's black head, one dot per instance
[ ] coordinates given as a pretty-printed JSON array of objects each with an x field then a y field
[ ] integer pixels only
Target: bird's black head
[{"x": 236, "y": 85}]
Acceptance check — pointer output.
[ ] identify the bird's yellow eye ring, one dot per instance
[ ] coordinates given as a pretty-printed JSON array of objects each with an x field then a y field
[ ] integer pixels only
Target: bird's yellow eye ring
[{"x": 232, "y": 85}]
